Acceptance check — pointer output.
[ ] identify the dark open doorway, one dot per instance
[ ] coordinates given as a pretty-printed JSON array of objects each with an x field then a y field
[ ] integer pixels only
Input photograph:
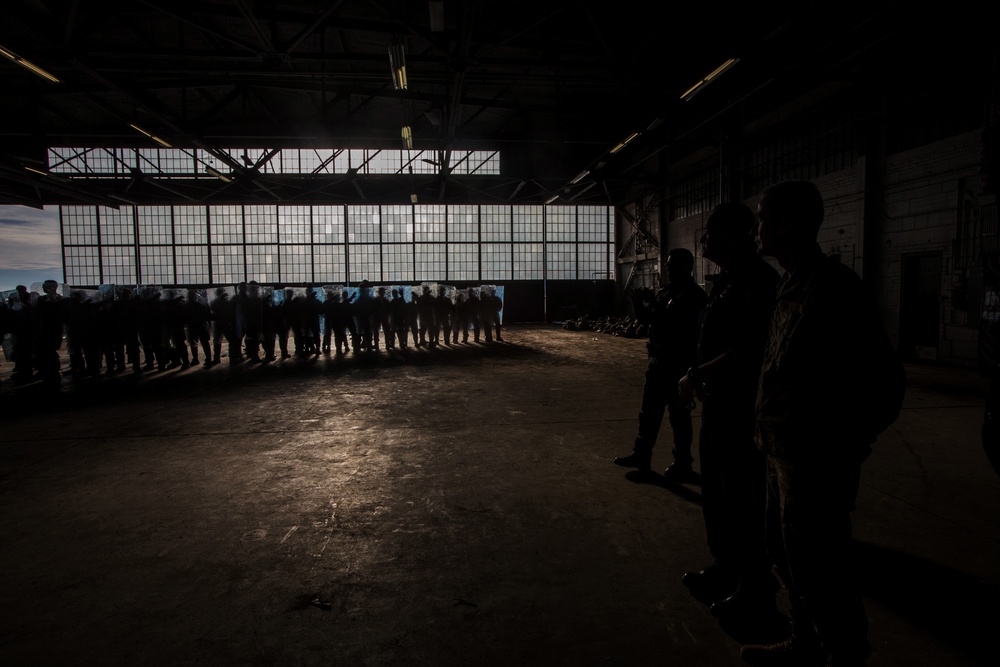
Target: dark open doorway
[{"x": 920, "y": 307}]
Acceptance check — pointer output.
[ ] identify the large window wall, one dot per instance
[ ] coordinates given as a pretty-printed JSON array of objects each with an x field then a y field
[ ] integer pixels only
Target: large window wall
[{"x": 224, "y": 245}]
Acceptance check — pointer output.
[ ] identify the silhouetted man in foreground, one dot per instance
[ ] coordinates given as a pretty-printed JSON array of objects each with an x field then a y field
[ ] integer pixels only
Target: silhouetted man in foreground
[{"x": 829, "y": 385}]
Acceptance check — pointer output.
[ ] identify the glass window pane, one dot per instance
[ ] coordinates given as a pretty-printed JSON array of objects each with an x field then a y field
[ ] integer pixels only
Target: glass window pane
[
  {"x": 155, "y": 226},
  {"x": 296, "y": 264},
  {"x": 463, "y": 261},
  {"x": 528, "y": 223},
  {"x": 496, "y": 221},
  {"x": 262, "y": 263},
  {"x": 330, "y": 264},
  {"x": 430, "y": 261},
  {"x": 228, "y": 266},
  {"x": 463, "y": 223},
  {"x": 527, "y": 261},
  {"x": 429, "y": 223},
  {"x": 363, "y": 224},
  {"x": 83, "y": 265},
  {"x": 227, "y": 224},
  {"x": 294, "y": 224},
  {"x": 560, "y": 223},
  {"x": 191, "y": 224},
  {"x": 328, "y": 224},
  {"x": 116, "y": 226},
  {"x": 119, "y": 265},
  {"x": 365, "y": 262},
  {"x": 192, "y": 264},
  {"x": 157, "y": 265},
  {"x": 397, "y": 224},
  {"x": 496, "y": 258},
  {"x": 79, "y": 225},
  {"x": 261, "y": 224},
  {"x": 397, "y": 262},
  {"x": 561, "y": 261}
]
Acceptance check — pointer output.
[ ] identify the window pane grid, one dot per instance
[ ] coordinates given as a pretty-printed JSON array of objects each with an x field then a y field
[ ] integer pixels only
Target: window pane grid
[
  {"x": 190, "y": 224},
  {"x": 528, "y": 261},
  {"x": 155, "y": 225},
  {"x": 366, "y": 263},
  {"x": 496, "y": 221},
  {"x": 294, "y": 225},
  {"x": 79, "y": 225},
  {"x": 463, "y": 261},
  {"x": 262, "y": 263},
  {"x": 328, "y": 224},
  {"x": 430, "y": 259},
  {"x": 527, "y": 223},
  {"x": 560, "y": 261},
  {"x": 157, "y": 264},
  {"x": 496, "y": 258},
  {"x": 397, "y": 224},
  {"x": 261, "y": 224},
  {"x": 296, "y": 263},
  {"x": 363, "y": 224},
  {"x": 227, "y": 224},
  {"x": 192, "y": 264},
  {"x": 228, "y": 266},
  {"x": 116, "y": 226},
  {"x": 429, "y": 224},
  {"x": 331, "y": 266},
  {"x": 119, "y": 265},
  {"x": 397, "y": 261},
  {"x": 560, "y": 223}
]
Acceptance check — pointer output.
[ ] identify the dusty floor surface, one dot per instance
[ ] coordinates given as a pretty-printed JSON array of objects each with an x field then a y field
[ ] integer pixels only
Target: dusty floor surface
[{"x": 448, "y": 507}]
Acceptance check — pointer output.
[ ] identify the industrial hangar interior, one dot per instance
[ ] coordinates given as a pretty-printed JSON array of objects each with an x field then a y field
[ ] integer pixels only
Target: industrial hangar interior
[{"x": 460, "y": 507}]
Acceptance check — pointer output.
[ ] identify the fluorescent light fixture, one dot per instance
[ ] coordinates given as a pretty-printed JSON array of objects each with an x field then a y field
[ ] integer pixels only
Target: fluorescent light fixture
[
  {"x": 397, "y": 65},
  {"x": 30, "y": 66},
  {"x": 218, "y": 174},
  {"x": 579, "y": 177},
  {"x": 551, "y": 199},
  {"x": 696, "y": 88},
  {"x": 407, "y": 135},
  {"x": 624, "y": 142},
  {"x": 152, "y": 136},
  {"x": 47, "y": 174}
]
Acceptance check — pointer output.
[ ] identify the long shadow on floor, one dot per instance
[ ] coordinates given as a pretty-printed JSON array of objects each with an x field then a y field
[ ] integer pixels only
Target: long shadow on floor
[
  {"x": 955, "y": 607},
  {"x": 684, "y": 490}
]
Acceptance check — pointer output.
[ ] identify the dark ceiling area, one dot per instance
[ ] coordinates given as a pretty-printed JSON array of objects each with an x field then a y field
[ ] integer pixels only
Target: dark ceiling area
[{"x": 552, "y": 86}]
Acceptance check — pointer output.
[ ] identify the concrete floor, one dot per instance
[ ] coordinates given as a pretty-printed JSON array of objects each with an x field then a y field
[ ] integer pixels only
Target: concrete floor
[{"x": 453, "y": 507}]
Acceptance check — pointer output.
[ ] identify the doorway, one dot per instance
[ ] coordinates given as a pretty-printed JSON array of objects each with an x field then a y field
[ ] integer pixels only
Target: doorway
[{"x": 920, "y": 307}]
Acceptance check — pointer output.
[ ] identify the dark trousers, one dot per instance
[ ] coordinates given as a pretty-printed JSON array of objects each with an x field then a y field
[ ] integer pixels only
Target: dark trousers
[
  {"x": 808, "y": 532},
  {"x": 733, "y": 493},
  {"x": 659, "y": 396}
]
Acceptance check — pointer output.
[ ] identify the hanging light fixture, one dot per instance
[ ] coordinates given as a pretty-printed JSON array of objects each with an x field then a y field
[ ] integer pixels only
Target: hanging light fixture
[
  {"x": 152, "y": 136},
  {"x": 698, "y": 87},
  {"x": 30, "y": 66},
  {"x": 407, "y": 134},
  {"x": 397, "y": 65}
]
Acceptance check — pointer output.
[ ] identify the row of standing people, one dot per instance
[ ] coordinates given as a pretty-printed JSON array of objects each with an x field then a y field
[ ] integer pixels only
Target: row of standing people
[
  {"x": 153, "y": 329},
  {"x": 796, "y": 377}
]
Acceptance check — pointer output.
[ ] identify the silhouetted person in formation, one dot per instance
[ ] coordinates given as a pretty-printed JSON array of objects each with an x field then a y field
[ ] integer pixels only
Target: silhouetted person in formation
[
  {"x": 425, "y": 304},
  {"x": 472, "y": 311},
  {"x": 174, "y": 322},
  {"x": 486, "y": 314},
  {"x": 380, "y": 321},
  {"x": 397, "y": 318},
  {"x": 126, "y": 318},
  {"x": 671, "y": 313},
  {"x": 199, "y": 323},
  {"x": 413, "y": 318},
  {"x": 443, "y": 316},
  {"x": 496, "y": 308},
  {"x": 364, "y": 313},
  {"x": 51, "y": 315},
  {"x": 22, "y": 334},
  {"x": 738, "y": 583},
  {"x": 344, "y": 331},
  {"x": 151, "y": 331},
  {"x": 285, "y": 325},
  {"x": 253, "y": 319},
  {"x": 829, "y": 385},
  {"x": 461, "y": 317},
  {"x": 269, "y": 317}
]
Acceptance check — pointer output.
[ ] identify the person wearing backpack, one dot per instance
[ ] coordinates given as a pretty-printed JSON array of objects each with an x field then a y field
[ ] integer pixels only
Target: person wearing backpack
[{"x": 830, "y": 383}]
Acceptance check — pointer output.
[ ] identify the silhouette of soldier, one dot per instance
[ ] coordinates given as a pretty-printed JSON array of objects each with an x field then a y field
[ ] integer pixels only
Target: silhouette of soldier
[
  {"x": 672, "y": 316},
  {"x": 827, "y": 339},
  {"x": 51, "y": 315},
  {"x": 472, "y": 311},
  {"x": 199, "y": 321},
  {"x": 734, "y": 324},
  {"x": 444, "y": 316},
  {"x": 425, "y": 304}
]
